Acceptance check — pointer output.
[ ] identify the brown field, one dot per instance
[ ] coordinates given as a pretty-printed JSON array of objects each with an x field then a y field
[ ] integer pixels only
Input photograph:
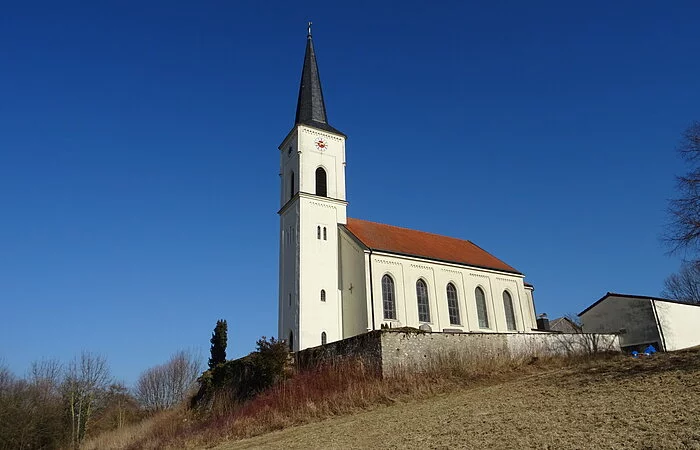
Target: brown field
[{"x": 619, "y": 403}]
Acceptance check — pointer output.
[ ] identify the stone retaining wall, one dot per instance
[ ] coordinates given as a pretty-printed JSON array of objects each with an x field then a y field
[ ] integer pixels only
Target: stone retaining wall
[{"x": 388, "y": 350}]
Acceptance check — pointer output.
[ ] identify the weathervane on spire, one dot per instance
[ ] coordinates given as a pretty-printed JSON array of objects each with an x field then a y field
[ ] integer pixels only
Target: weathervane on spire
[{"x": 309, "y": 32}]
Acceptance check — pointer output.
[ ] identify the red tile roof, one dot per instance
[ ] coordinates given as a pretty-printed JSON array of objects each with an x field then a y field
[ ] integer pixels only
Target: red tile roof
[{"x": 388, "y": 238}]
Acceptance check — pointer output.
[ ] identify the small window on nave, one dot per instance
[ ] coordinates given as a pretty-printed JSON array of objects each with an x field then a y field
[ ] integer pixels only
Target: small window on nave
[
  {"x": 323, "y": 295},
  {"x": 324, "y": 339},
  {"x": 481, "y": 311},
  {"x": 510, "y": 313},
  {"x": 388, "y": 298},
  {"x": 423, "y": 306},
  {"x": 452, "y": 304}
]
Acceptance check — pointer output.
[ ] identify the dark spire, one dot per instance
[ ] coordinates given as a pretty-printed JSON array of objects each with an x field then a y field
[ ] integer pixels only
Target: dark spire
[{"x": 311, "y": 110}]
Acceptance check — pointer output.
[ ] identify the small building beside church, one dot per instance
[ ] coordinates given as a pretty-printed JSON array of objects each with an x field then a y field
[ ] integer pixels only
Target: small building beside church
[
  {"x": 340, "y": 277},
  {"x": 641, "y": 321}
]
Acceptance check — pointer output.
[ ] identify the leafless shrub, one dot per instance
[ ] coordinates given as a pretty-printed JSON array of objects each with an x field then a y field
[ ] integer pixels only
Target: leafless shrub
[
  {"x": 166, "y": 385},
  {"x": 87, "y": 378}
]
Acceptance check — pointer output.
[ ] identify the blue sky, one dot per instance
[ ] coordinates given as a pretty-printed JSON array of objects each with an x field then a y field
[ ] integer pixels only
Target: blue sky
[{"x": 139, "y": 162}]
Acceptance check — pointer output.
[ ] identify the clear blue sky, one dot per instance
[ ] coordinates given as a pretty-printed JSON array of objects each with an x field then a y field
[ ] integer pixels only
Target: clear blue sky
[{"x": 139, "y": 162}]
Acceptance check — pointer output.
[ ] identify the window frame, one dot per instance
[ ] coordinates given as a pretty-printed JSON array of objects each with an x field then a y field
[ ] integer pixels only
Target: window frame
[
  {"x": 392, "y": 300},
  {"x": 509, "y": 317},
  {"x": 423, "y": 315},
  {"x": 453, "y": 309},
  {"x": 486, "y": 322}
]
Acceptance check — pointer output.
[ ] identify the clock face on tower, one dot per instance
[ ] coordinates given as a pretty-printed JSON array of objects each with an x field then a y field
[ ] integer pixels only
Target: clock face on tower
[{"x": 321, "y": 144}]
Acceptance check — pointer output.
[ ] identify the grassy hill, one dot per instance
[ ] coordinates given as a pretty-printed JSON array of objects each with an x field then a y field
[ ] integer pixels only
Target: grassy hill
[
  {"x": 616, "y": 403},
  {"x": 605, "y": 402}
]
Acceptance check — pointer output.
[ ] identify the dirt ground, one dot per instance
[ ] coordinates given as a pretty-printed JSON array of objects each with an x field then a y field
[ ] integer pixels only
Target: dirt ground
[{"x": 622, "y": 403}]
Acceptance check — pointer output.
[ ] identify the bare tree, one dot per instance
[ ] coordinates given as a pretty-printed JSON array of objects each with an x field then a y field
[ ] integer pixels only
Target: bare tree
[
  {"x": 166, "y": 385},
  {"x": 684, "y": 285},
  {"x": 684, "y": 228},
  {"x": 86, "y": 379}
]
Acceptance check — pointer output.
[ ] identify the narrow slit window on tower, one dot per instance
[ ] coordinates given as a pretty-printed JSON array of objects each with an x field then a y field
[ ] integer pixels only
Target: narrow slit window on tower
[
  {"x": 324, "y": 339},
  {"x": 291, "y": 185},
  {"x": 321, "y": 185},
  {"x": 290, "y": 299},
  {"x": 318, "y": 232},
  {"x": 291, "y": 340},
  {"x": 323, "y": 295},
  {"x": 325, "y": 236}
]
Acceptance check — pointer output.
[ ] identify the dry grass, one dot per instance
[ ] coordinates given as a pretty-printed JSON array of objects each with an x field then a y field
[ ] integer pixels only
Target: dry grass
[{"x": 459, "y": 401}]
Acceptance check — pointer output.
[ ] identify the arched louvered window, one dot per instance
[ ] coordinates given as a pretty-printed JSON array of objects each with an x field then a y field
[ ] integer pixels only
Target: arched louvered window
[
  {"x": 423, "y": 306},
  {"x": 481, "y": 311},
  {"x": 323, "y": 295},
  {"x": 318, "y": 232},
  {"x": 452, "y": 304},
  {"x": 388, "y": 298},
  {"x": 510, "y": 313},
  {"x": 321, "y": 186},
  {"x": 291, "y": 340},
  {"x": 325, "y": 236},
  {"x": 291, "y": 185},
  {"x": 324, "y": 339}
]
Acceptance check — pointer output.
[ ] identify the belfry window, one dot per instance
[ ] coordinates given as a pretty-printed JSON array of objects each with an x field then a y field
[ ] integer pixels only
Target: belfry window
[
  {"x": 452, "y": 304},
  {"x": 323, "y": 295},
  {"x": 423, "y": 306},
  {"x": 388, "y": 298},
  {"x": 324, "y": 339},
  {"x": 321, "y": 185},
  {"x": 325, "y": 236},
  {"x": 318, "y": 232},
  {"x": 510, "y": 313},
  {"x": 481, "y": 308}
]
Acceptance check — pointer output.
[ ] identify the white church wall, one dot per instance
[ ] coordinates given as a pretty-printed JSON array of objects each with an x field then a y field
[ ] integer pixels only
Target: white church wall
[
  {"x": 352, "y": 286},
  {"x": 680, "y": 324},
  {"x": 406, "y": 271},
  {"x": 633, "y": 315}
]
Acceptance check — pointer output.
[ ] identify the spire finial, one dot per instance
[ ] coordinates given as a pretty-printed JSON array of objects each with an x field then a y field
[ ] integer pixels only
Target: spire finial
[{"x": 309, "y": 30}]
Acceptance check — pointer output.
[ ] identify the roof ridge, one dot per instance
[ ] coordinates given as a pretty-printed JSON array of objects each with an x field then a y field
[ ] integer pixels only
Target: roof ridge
[{"x": 418, "y": 231}]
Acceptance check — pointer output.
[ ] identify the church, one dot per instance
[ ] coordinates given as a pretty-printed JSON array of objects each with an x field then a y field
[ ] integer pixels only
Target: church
[{"x": 340, "y": 276}]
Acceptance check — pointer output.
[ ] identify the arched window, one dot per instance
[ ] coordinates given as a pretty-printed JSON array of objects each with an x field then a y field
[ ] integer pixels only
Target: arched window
[
  {"x": 481, "y": 308},
  {"x": 321, "y": 186},
  {"x": 318, "y": 232},
  {"x": 325, "y": 236},
  {"x": 388, "y": 298},
  {"x": 510, "y": 314},
  {"x": 324, "y": 339},
  {"x": 323, "y": 295},
  {"x": 423, "y": 307},
  {"x": 291, "y": 185},
  {"x": 291, "y": 340},
  {"x": 452, "y": 304}
]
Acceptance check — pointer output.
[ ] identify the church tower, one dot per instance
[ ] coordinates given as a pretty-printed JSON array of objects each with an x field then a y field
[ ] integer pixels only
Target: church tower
[{"x": 312, "y": 204}]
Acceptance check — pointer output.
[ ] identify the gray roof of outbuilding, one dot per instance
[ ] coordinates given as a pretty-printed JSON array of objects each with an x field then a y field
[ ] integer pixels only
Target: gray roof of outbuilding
[{"x": 311, "y": 109}]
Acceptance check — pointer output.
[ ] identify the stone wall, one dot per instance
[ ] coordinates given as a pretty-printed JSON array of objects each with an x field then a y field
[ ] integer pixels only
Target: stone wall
[{"x": 389, "y": 350}]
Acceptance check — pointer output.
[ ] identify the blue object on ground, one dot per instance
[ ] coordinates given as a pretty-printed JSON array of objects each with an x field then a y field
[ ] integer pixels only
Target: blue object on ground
[
  {"x": 635, "y": 353},
  {"x": 650, "y": 350}
]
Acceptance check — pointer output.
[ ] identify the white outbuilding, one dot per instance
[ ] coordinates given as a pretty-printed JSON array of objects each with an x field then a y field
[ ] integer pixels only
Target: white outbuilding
[{"x": 666, "y": 324}]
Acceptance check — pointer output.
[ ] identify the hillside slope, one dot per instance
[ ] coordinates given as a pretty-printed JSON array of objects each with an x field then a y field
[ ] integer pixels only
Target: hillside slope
[{"x": 621, "y": 403}]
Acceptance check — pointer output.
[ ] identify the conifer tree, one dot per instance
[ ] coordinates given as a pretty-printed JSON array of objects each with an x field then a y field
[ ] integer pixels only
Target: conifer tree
[{"x": 218, "y": 344}]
